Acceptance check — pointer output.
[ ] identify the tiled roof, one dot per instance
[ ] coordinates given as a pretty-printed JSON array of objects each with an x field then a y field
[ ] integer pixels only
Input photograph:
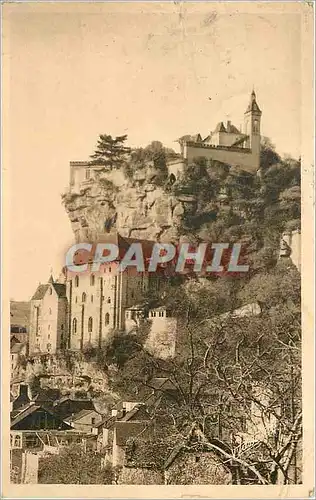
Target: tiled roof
[
  {"x": 127, "y": 430},
  {"x": 80, "y": 414},
  {"x": 32, "y": 408},
  {"x": 253, "y": 106},
  {"x": 59, "y": 288},
  {"x": 231, "y": 129},
  {"x": 220, "y": 127},
  {"x": 17, "y": 348},
  {"x": 40, "y": 292}
]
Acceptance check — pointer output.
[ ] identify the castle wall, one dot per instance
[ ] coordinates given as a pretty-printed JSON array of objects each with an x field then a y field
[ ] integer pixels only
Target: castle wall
[
  {"x": 161, "y": 340},
  {"x": 243, "y": 158}
]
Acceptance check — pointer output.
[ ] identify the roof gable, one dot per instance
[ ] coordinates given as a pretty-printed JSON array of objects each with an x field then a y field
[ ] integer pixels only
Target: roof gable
[
  {"x": 40, "y": 292},
  {"x": 220, "y": 127}
]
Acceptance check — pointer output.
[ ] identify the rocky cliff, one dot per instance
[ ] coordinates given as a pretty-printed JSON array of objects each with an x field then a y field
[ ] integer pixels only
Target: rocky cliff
[{"x": 137, "y": 207}]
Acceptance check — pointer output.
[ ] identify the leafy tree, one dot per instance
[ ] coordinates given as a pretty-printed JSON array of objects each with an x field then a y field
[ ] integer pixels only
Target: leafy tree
[
  {"x": 268, "y": 155},
  {"x": 74, "y": 466},
  {"x": 237, "y": 380},
  {"x": 110, "y": 152}
]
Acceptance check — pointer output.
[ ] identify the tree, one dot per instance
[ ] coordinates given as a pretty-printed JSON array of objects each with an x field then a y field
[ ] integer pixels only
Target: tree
[
  {"x": 110, "y": 152},
  {"x": 74, "y": 466},
  {"x": 237, "y": 383}
]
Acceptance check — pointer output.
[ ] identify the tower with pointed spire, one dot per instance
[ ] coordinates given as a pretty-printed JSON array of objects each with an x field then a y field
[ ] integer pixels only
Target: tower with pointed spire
[
  {"x": 226, "y": 143},
  {"x": 252, "y": 121}
]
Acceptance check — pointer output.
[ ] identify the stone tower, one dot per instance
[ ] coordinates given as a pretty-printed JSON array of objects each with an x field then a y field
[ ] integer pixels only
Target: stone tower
[{"x": 252, "y": 127}]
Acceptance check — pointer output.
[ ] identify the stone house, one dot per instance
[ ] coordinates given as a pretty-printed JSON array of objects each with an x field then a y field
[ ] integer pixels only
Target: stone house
[
  {"x": 114, "y": 432},
  {"x": 86, "y": 421},
  {"x": 48, "y": 318},
  {"x": 36, "y": 417}
]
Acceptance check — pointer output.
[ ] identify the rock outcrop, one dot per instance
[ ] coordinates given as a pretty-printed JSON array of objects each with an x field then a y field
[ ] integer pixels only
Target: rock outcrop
[{"x": 137, "y": 208}]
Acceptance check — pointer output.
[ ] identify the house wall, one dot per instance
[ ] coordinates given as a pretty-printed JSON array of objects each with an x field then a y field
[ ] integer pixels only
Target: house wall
[
  {"x": 34, "y": 334},
  {"x": 78, "y": 178},
  {"x": 118, "y": 452},
  {"x": 48, "y": 323},
  {"x": 88, "y": 422}
]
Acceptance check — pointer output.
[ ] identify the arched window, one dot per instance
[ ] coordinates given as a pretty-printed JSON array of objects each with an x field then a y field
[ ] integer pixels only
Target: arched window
[
  {"x": 172, "y": 179},
  {"x": 91, "y": 298},
  {"x": 76, "y": 281},
  {"x": 92, "y": 280},
  {"x": 74, "y": 325},
  {"x": 83, "y": 298},
  {"x": 90, "y": 324},
  {"x": 17, "y": 441},
  {"x": 50, "y": 311},
  {"x": 109, "y": 300},
  {"x": 255, "y": 126},
  {"x": 107, "y": 319}
]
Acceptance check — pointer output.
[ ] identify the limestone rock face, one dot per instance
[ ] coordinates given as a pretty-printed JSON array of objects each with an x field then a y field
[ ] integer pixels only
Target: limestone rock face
[{"x": 138, "y": 209}]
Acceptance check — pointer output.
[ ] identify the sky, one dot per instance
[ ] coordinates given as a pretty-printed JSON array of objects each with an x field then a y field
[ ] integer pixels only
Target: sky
[{"x": 75, "y": 71}]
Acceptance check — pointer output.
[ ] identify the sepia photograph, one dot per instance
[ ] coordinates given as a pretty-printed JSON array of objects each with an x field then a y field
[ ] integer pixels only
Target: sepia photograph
[{"x": 158, "y": 174}]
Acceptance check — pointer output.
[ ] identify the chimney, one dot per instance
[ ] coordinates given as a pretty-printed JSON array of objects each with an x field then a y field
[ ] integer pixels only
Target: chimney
[
  {"x": 24, "y": 392},
  {"x": 124, "y": 409}
]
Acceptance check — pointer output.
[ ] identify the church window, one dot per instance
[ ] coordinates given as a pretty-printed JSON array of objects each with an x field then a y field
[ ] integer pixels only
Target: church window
[
  {"x": 90, "y": 324},
  {"x": 76, "y": 300},
  {"x": 61, "y": 327},
  {"x": 48, "y": 336},
  {"x": 107, "y": 319},
  {"x": 91, "y": 298},
  {"x": 48, "y": 347},
  {"x": 109, "y": 300},
  {"x": 84, "y": 296},
  {"x": 74, "y": 325},
  {"x": 256, "y": 126},
  {"x": 87, "y": 173},
  {"x": 50, "y": 311},
  {"x": 92, "y": 280},
  {"x": 48, "y": 327},
  {"x": 110, "y": 269},
  {"x": 77, "y": 281}
]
